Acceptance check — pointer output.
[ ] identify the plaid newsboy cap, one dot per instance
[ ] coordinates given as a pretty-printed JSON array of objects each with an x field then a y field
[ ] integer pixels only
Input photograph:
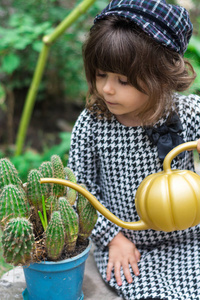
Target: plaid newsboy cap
[{"x": 168, "y": 24}]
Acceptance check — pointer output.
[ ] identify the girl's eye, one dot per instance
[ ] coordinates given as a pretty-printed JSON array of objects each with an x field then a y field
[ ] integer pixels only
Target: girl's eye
[
  {"x": 100, "y": 74},
  {"x": 123, "y": 82}
]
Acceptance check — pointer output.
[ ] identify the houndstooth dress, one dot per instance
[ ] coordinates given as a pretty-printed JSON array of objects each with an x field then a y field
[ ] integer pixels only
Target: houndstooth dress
[{"x": 112, "y": 160}]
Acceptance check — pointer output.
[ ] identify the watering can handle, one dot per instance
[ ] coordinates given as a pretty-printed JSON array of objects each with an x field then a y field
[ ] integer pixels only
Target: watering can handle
[{"x": 176, "y": 151}]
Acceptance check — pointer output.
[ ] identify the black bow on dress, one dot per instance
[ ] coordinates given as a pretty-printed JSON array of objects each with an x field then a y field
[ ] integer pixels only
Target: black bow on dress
[{"x": 166, "y": 136}]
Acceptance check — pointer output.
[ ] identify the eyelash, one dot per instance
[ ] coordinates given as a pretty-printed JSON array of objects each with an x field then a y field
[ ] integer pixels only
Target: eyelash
[
  {"x": 100, "y": 75},
  {"x": 120, "y": 81},
  {"x": 123, "y": 82}
]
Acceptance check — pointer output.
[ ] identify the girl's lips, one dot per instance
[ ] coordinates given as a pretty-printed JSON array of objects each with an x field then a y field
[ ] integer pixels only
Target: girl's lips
[{"x": 110, "y": 103}]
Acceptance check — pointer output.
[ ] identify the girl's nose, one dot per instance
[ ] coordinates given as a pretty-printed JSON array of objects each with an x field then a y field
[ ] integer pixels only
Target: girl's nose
[{"x": 108, "y": 87}]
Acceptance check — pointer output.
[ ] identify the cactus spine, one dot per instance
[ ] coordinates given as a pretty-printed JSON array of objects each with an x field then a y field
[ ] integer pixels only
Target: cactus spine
[
  {"x": 70, "y": 222},
  {"x": 13, "y": 203},
  {"x": 71, "y": 194},
  {"x": 18, "y": 241},
  {"x": 35, "y": 190},
  {"x": 55, "y": 237},
  {"x": 8, "y": 174},
  {"x": 87, "y": 217},
  {"x": 58, "y": 172}
]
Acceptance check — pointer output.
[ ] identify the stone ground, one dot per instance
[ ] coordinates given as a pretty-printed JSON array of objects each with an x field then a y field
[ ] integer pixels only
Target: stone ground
[{"x": 13, "y": 283}]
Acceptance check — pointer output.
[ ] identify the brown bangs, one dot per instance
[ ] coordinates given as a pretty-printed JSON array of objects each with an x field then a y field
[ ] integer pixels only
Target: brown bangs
[
  {"x": 110, "y": 48},
  {"x": 111, "y": 55}
]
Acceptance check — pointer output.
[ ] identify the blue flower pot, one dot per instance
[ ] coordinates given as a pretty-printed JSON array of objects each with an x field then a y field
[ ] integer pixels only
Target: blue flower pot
[{"x": 60, "y": 280}]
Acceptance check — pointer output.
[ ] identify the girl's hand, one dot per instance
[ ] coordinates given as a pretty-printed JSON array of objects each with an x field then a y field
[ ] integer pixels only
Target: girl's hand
[{"x": 122, "y": 252}]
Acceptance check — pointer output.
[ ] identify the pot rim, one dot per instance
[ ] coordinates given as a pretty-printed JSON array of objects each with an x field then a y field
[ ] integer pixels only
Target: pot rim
[{"x": 87, "y": 249}]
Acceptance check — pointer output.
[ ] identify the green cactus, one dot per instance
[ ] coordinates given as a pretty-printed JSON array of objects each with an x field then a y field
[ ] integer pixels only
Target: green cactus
[
  {"x": 82, "y": 201},
  {"x": 70, "y": 222},
  {"x": 35, "y": 190},
  {"x": 46, "y": 169},
  {"x": 13, "y": 203},
  {"x": 18, "y": 241},
  {"x": 71, "y": 194},
  {"x": 8, "y": 174},
  {"x": 25, "y": 211},
  {"x": 58, "y": 172},
  {"x": 55, "y": 236},
  {"x": 51, "y": 203},
  {"x": 87, "y": 217},
  {"x": 47, "y": 172}
]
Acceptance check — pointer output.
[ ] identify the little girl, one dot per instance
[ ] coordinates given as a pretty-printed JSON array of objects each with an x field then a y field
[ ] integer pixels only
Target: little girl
[{"x": 134, "y": 116}]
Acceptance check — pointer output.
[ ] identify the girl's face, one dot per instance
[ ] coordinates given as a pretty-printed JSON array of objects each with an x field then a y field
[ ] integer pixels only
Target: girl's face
[{"x": 121, "y": 98}]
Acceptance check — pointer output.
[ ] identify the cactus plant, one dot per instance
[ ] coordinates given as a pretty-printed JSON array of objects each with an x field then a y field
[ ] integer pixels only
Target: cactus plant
[
  {"x": 46, "y": 171},
  {"x": 8, "y": 174},
  {"x": 82, "y": 201},
  {"x": 51, "y": 203},
  {"x": 58, "y": 172},
  {"x": 70, "y": 222},
  {"x": 87, "y": 217},
  {"x": 71, "y": 193},
  {"x": 18, "y": 241},
  {"x": 13, "y": 203},
  {"x": 55, "y": 236},
  {"x": 40, "y": 220},
  {"x": 35, "y": 190}
]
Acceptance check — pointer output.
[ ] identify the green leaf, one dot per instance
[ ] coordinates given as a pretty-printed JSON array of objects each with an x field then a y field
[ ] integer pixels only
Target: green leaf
[
  {"x": 10, "y": 63},
  {"x": 194, "y": 45},
  {"x": 8, "y": 38},
  {"x": 37, "y": 46},
  {"x": 19, "y": 19},
  {"x": 26, "y": 29},
  {"x": 22, "y": 43},
  {"x": 40, "y": 29},
  {"x": 60, "y": 149}
]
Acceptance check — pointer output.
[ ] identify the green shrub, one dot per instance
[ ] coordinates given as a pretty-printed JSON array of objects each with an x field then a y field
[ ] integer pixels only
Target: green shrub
[{"x": 24, "y": 23}]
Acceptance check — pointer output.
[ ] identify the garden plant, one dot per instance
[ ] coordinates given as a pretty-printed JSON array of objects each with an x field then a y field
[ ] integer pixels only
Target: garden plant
[{"x": 42, "y": 221}]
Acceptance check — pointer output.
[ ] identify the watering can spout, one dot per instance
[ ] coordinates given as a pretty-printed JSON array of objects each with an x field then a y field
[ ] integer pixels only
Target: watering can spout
[
  {"x": 139, "y": 225},
  {"x": 166, "y": 201}
]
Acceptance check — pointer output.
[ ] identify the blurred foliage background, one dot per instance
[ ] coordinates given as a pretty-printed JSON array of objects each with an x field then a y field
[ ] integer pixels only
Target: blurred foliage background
[{"x": 62, "y": 91}]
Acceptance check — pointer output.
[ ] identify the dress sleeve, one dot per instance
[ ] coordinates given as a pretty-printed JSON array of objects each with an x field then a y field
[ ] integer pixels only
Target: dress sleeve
[
  {"x": 84, "y": 161},
  {"x": 196, "y": 117},
  {"x": 191, "y": 111}
]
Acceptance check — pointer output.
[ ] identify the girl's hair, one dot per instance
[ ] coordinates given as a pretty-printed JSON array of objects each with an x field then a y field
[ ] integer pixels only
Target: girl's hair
[{"x": 117, "y": 45}]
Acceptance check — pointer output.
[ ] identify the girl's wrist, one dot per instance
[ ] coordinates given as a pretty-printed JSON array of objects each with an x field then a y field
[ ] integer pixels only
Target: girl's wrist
[{"x": 119, "y": 236}]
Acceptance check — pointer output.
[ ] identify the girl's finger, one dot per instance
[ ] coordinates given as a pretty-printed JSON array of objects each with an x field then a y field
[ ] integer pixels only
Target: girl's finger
[
  {"x": 117, "y": 273},
  {"x": 137, "y": 255},
  {"x": 134, "y": 266},
  {"x": 109, "y": 270},
  {"x": 127, "y": 273}
]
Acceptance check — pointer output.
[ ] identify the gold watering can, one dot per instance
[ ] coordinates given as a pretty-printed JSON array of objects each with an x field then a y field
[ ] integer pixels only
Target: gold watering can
[{"x": 165, "y": 201}]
